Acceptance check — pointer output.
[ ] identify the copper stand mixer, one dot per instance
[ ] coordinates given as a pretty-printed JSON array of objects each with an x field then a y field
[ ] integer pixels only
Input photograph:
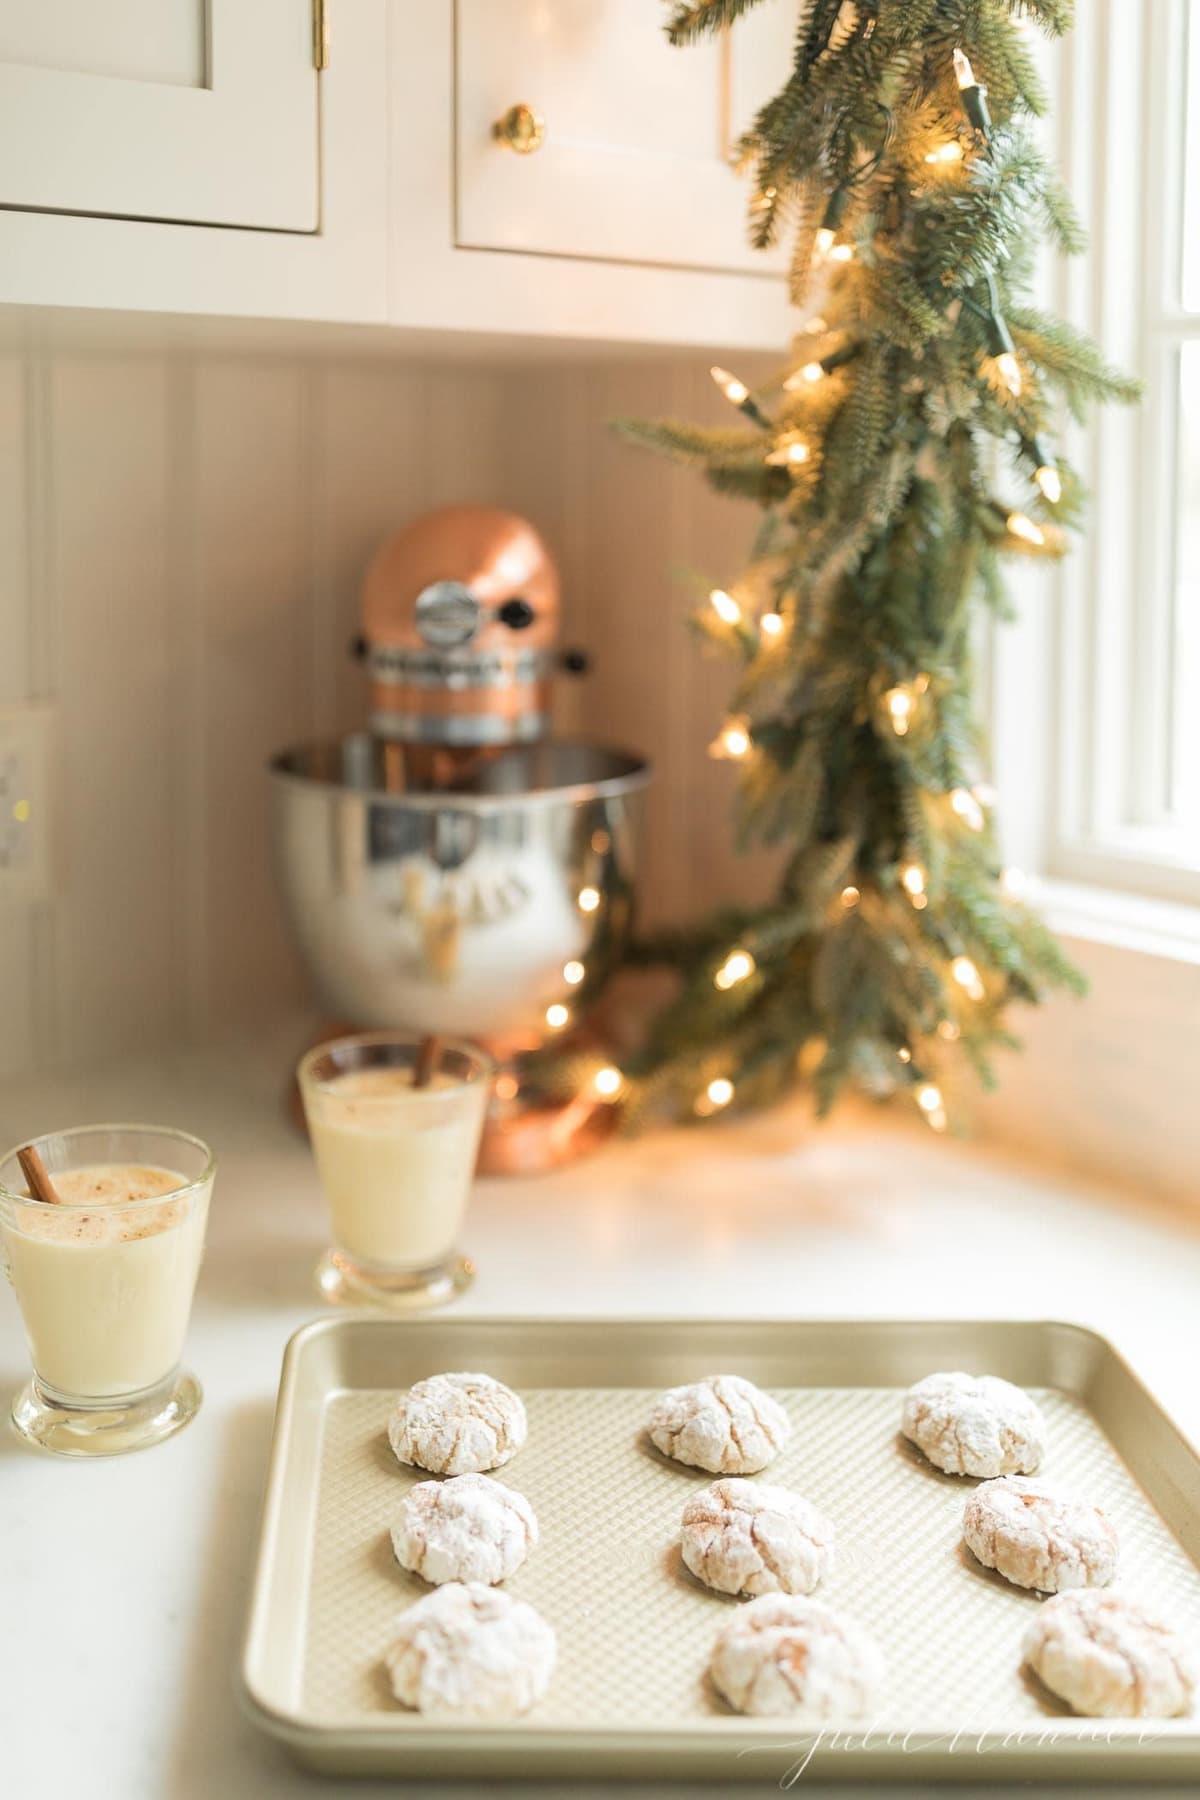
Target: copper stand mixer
[{"x": 455, "y": 869}]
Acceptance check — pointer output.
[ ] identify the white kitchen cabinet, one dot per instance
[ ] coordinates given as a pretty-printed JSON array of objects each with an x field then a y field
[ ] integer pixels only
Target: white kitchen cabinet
[
  {"x": 204, "y": 111},
  {"x": 628, "y": 224},
  {"x": 185, "y": 157},
  {"x": 258, "y": 192},
  {"x": 636, "y": 164}
]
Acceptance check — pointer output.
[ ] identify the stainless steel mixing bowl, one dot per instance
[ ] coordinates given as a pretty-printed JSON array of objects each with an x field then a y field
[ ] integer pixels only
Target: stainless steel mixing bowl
[{"x": 476, "y": 911}]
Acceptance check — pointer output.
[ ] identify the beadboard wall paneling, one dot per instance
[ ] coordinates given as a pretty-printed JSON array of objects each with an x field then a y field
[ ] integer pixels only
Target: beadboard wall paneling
[
  {"x": 637, "y": 537},
  {"x": 369, "y": 465},
  {"x": 17, "y": 1036},
  {"x": 253, "y": 430},
  {"x": 182, "y": 536},
  {"x": 107, "y": 606}
]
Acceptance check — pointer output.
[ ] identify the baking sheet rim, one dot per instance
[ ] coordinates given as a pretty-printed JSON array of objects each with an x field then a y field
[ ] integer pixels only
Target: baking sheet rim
[{"x": 550, "y": 1748}]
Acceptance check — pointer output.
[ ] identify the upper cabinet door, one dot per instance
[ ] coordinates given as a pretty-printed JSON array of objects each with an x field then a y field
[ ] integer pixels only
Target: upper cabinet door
[
  {"x": 192, "y": 110},
  {"x": 635, "y": 164}
]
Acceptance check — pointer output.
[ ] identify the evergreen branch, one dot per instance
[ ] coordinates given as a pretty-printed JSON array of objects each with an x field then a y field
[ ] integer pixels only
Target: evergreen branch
[
  {"x": 877, "y": 547},
  {"x": 1070, "y": 361},
  {"x": 688, "y": 443},
  {"x": 704, "y": 18}
]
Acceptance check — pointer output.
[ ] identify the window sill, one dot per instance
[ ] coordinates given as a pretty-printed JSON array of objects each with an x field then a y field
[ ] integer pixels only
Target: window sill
[{"x": 1095, "y": 915}]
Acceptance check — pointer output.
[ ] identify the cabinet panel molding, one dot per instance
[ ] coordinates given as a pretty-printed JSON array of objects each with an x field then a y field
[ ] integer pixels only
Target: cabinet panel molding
[{"x": 211, "y": 117}]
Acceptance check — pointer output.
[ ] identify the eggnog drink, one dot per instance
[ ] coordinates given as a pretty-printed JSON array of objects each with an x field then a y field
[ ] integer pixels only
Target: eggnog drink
[
  {"x": 395, "y": 1160},
  {"x": 104, "y": 1283},
  {"x": 103, "y": 1266},
  {"x": 396, "y": 1170}
]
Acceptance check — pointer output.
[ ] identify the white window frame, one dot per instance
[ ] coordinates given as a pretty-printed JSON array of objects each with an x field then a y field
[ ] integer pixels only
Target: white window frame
[{"x": 1079, "y": 690}]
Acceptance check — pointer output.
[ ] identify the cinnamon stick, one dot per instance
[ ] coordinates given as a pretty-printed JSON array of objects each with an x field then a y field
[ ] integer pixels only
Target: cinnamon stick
[
  {"x": 34, "y": 1171},
  {"x": 428, "y": 1052}
]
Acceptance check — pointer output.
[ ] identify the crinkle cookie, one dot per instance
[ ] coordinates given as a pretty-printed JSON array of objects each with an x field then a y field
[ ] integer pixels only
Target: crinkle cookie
[
  {"x": 744, "y": 1537},
  {"x": 722, "y": 1424},
  {"x": 1037, "y": 1538},
  {"x": 782, "y": 1655},
  {"x": 457, "y": 1424},
  {"x": 470, "y": 1652},
  {"x": 1110, "y": 1660},
  {"x": 974, "y": 1425},
  {"x": 469, "y": 1528}
]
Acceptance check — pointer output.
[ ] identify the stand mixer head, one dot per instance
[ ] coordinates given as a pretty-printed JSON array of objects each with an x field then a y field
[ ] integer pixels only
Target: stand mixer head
[
  {"x": 460, "y": 621},
  {"x": 454, "y": 869}
]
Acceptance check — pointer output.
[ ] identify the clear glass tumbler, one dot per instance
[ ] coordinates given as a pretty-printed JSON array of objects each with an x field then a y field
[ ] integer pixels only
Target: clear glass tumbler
[
  {"x": 105, "y": 1281},
  {"x": 396, "y": 1162}
]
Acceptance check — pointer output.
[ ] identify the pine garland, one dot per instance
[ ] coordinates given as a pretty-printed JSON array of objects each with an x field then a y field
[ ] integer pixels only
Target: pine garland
[{"x": 890, "y": 950}]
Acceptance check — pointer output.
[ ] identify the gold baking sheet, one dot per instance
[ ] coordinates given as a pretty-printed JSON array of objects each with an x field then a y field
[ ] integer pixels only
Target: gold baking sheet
[{"x": 630, "y": 1695}]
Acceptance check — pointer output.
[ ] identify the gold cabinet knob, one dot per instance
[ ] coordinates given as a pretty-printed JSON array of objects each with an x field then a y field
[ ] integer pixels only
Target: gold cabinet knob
[{"x": 521, "y": 129}]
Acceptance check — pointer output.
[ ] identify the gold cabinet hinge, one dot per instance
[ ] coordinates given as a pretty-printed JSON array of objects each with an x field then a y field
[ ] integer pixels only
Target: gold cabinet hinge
[{"x": 320, "y": 20}]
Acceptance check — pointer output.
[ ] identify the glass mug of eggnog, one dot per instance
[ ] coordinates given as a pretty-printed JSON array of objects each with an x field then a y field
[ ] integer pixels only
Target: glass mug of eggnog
[
  {"x": 104, "y": 1269},
  {"x": 395, "y": 1123}
]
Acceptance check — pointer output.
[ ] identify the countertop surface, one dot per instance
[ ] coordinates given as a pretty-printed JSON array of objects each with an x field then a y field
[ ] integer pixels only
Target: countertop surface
[{"x": 126, "y": 1580}]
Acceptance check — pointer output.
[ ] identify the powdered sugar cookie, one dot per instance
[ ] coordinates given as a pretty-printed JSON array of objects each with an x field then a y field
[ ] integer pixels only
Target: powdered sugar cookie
[
  {"x": 470, "y": 1652},
  {"x": 1037, "y": 1538},
  {"x": 722, "y": 1424},
  {"x": 458, "y": 1424},
  {"x": 744, "y": 1537},
  {"x": 974, "y": 1425},
  {"x": 782, "y": 1655},
  {"x": 1110, "y": 1660},
  {"x": 469, "y": 1528}
]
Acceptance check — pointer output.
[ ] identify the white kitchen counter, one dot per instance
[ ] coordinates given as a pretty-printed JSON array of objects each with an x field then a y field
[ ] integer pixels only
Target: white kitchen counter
[{"x": 125, "y": 1581}]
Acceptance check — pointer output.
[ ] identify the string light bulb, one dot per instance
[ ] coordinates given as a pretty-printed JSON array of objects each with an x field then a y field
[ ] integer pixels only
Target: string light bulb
[
  {"x": 737, "y": 966},
  {"x": 608, "y": 1083},
  {"x": 573, "y": 973},
  {"x": 719, "y": 1092},
  {"x": 732, "y": 740},
  {"x": 949, "y": 152},
  {"x": 1049, "y": 481},
  {"x": 850, "y": 897},
  {"x": 725, "y": 606},
  {"x": 826, "y": 242},
  {"x": 899, "y": 703},
  {"x": 738, "y": 394},
  {"x": 771, "y": 624},
  {"x": 904, "y": 1053},
  {"x": 929, "y": 1099},
  {"x": 1022, "y": 526},
  {"x": 912, "y": 879},
  {"x": 967, "y": 976},
  {"x": 735, "y": 391},
  {"x": 589, "y": 899},
  {"x": 972, "y": 93},
  {"x": 968, "y": 808},
  {"x": 557, "y": 1016},
  {"x": 1009, "y": 371},
  {"x": 791, "y": 452}
]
